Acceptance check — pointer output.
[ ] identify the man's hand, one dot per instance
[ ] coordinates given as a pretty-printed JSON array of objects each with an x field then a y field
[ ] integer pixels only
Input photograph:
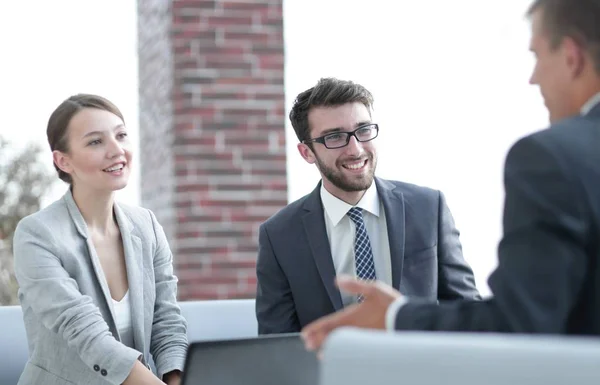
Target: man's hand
[{"x": 369, "y": 314}]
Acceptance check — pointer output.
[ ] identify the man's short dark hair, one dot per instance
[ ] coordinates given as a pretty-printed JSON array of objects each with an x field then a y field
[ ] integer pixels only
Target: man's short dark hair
[
  {"x": 577, "y": 19},
  {"x": 329, "y": 92}
]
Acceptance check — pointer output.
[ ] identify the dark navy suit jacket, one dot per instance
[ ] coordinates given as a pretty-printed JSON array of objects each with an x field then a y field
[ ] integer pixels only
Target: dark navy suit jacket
[
  {"x": 548, "y": 275},
  {"x": 295, "y": 268}
]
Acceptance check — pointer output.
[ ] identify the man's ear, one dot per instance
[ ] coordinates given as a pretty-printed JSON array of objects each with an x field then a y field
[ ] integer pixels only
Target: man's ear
[
  {"x": 575, "y": 56},
  {"x": 62, "y": 161},
  {"x": 307, "y": 153}
]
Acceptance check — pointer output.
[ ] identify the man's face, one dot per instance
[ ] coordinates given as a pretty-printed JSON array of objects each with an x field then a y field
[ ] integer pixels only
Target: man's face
[
  {"x": 555, "y": 70},
  {"x": 346, "y": 169}
]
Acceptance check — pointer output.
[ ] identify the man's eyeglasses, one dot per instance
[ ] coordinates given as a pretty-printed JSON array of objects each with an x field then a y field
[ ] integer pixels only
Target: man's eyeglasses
[{"x": 340, "y": 139}]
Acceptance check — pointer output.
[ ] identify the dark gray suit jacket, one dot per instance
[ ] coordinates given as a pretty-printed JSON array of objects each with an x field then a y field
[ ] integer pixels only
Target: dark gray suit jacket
[
  {"x": 548, "y": 275},
  {"x": 295, "y": 268}
]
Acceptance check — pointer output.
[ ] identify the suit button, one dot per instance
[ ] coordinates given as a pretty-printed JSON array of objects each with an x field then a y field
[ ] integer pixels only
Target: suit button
[
  {"x": 96, "y": 368},
  {"x": 103, "y": 372}
]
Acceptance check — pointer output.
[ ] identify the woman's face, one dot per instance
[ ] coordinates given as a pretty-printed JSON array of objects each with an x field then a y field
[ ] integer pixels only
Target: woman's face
[{"x": 99, "y": 156}]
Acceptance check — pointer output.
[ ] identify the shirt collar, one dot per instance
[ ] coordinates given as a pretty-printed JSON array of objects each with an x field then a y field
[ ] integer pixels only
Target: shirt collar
[
  {"x": 336, "y": 208},
  {"x": 590, "y": 104}
]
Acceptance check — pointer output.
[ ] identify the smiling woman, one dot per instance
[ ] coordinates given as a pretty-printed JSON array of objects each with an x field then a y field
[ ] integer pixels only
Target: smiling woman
[
  {"x": 95, "y": 278},
  {"x": 88, "y": 138}
]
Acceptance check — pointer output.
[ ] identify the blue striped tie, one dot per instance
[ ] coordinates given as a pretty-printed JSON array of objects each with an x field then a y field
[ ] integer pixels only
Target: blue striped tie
[{"x": 363, "y": 255}]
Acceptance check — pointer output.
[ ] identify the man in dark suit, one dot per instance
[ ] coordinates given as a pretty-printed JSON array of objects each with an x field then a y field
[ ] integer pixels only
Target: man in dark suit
[
  {"x": 395, "y": 232},
  {"x": 548, "y": 275}
]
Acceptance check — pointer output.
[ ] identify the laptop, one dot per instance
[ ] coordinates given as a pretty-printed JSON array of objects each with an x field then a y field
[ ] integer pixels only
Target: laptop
[{"x": 272, "y": 359}]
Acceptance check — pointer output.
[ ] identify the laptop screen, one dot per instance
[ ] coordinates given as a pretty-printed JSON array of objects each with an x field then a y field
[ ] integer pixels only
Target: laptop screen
[{"x": 273, "y": 359}]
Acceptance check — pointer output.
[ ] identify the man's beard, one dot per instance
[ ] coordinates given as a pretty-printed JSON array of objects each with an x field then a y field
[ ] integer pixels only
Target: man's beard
[{"x": 343, "y": 182}]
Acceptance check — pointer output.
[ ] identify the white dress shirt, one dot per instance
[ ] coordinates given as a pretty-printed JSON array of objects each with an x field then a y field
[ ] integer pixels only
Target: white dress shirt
[
  {"x": 341, "y": 231},
  {"x": 394, "y": 308},
  {"x": 590, "y": 104}
]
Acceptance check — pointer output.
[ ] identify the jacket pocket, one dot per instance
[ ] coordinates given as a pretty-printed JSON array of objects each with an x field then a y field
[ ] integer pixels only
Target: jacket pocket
[
  {"x": 420, "y": 274},
  {"x": 422, "y": 257},
  {"x": 34, "y": 375}
]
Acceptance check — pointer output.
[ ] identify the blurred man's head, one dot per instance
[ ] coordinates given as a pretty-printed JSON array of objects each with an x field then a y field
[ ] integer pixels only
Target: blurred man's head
[{"x": 565, "y": 40}]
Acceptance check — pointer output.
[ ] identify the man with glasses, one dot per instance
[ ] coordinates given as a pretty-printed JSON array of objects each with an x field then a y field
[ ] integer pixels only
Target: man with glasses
[{"x": 393, "y": 232}]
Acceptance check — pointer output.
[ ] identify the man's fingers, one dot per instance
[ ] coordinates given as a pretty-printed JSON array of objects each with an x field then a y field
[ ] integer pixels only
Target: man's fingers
[
  {"x": 315, "y": 333},
  {"x": 314, "y": 341},
  {"x": 325, "y": 324},
  {"x": 354, "y": 286}
]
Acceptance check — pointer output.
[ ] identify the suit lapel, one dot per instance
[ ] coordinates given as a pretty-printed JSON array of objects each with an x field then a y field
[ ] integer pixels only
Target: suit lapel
[
  {"x": 314, "y": 226},
  {"x": 393, "y": 205},
  {"x": 97, "y": 267},
  {"x": 132, "y": 248}
]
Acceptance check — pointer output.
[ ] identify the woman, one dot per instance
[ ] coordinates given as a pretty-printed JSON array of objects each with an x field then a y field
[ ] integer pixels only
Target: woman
[{"x": 96, "y": 281}]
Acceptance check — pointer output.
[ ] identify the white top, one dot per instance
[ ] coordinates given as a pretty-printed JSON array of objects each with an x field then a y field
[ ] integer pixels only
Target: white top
[
  {"x": 123, "y": 319},
  {"x": 341, "y": 231}
]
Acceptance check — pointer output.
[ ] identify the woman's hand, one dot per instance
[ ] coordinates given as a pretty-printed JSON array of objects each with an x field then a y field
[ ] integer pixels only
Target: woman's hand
[
  {"x": 172, "y": 378},
  {"x": 141, "y": 375}
]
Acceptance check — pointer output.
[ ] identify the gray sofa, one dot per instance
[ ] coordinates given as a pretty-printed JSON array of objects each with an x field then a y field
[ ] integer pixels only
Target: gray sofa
[{"x": 207, "y": 320}]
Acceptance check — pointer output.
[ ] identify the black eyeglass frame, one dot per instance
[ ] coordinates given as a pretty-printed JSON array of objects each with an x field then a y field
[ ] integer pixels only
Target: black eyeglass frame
[{"x": 321, "y": 139}]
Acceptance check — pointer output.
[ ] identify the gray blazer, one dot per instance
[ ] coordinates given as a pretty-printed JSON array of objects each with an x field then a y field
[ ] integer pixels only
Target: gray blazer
[
  {"x": 67, "y": 307},
  {"x": 295, "y": 268}
]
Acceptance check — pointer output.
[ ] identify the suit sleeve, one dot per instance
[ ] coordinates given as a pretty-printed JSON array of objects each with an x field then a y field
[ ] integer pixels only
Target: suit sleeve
[
  {"x": 275, "y": 307},
  {"x": 455, "y": 276},
  {"x": 541, "y": 258},
  {"x": 55, "y": 298},
  {"x": 168, "y": 343}
]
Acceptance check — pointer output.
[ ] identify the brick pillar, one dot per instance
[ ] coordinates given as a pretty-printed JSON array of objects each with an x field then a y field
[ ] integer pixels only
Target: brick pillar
[
  {"x": 226, "y": 140},
  {"x": 157, "y": 171}
]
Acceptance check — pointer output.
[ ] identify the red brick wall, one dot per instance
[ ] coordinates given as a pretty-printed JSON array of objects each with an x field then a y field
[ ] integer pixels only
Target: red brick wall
[{"x": 228, "y": 140}]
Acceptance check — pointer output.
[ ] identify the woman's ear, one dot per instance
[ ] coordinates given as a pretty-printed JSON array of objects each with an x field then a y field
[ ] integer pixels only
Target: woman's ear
[{"x": 62, "y": 161}]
